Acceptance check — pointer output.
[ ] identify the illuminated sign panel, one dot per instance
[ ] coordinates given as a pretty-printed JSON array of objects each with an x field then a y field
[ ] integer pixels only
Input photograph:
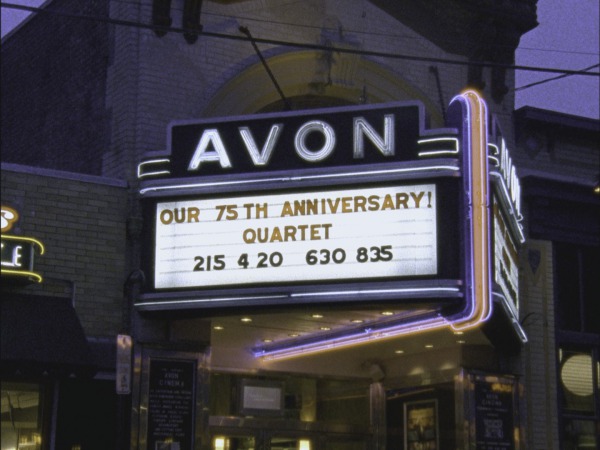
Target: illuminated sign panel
[
  {"x": 330, "y": 137},
  {"x": 359, "y": 233}
]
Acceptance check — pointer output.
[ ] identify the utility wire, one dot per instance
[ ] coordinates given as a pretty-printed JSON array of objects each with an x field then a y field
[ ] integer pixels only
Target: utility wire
[
  {"x": 300, "y": 45},
  {"x": 527, "y": 86},
  {"x": 354, "y": 31}
]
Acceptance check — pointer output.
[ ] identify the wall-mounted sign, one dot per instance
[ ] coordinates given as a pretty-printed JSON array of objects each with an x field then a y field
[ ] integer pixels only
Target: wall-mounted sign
[
  {"x": 123, "y": 367},
  {"x": 261, "y": 397},
  {"x": 494, "y": 408},
  {"x": 18, "y": 252},
  {"x": 290, "y": 140},
  {"x": 359, "y": 233},
  {"x": 171, "y": 404}
]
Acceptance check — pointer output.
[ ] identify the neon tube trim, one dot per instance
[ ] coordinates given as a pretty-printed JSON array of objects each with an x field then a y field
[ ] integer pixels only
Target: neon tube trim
[
  {"x": 24, "y": 273},
  {"x": 436, "y": 290},
  {"x": 151, "y": 162},
  {"x": 298, "y": 178},
  {"x": 452, "y": 151},
  {"x": 476, "y": 176},
  {"x": 27, "y": 239},
  {"x": 150, "y": 305},
  {"x": 357, "y": 337}
]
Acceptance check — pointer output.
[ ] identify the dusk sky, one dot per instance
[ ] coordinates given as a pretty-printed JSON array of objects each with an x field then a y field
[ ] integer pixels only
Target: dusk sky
[{"x": 567, "y": 38}]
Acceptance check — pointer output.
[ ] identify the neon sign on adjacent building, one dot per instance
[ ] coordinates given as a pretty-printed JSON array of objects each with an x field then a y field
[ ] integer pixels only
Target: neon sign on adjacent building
[{"x": 18, "y": 252}]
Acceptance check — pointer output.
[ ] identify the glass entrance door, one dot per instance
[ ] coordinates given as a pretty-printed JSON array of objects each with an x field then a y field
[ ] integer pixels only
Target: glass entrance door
[
  {"x": 290, "y": 443},
  {"x": 262, "y": 440},
  {"x": 228, "y": 442}
]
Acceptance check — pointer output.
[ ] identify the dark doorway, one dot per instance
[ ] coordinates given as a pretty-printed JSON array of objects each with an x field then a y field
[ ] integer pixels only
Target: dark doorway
[{"x": 87, "y": 415}]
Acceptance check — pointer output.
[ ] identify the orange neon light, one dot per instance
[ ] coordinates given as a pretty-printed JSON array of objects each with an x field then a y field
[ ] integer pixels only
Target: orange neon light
[{"x": 480, "y": 252}]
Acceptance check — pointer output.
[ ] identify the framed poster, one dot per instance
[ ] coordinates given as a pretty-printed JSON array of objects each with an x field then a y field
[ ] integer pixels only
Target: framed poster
[{"x": 421, "y": 425}]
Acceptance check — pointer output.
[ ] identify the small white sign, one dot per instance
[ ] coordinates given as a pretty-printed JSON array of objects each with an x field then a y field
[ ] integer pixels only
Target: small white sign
[{"x": 123, "y": 369}]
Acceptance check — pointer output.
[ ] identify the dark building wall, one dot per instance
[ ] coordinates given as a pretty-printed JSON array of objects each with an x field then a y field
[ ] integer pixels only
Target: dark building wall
[
  {"x": 53, "y": 86},
  {"x": 81, "y": 222}
]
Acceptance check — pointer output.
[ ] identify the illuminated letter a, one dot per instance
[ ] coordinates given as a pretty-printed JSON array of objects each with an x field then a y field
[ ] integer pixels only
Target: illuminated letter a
[{"x": 218, "y": 154}]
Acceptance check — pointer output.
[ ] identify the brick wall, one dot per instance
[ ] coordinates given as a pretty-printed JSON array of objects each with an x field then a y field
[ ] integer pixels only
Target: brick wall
[
  {"x": 538, "y": 357},
  {"x": 53, "y": 86},
  {"x": 81, "y": 221}
]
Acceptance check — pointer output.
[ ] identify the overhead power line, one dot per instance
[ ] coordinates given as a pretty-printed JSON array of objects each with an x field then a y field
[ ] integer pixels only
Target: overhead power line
[
  {"x": 527, "y": 86},
  {"x": 300, "y": 45}
]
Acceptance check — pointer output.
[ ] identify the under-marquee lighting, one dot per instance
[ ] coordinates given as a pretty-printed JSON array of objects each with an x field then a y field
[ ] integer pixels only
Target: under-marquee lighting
[{"x": 289, "y": 350}]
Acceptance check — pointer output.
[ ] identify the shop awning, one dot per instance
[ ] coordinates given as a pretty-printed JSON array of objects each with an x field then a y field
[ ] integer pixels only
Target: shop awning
[{"x": 42, "y": 335}]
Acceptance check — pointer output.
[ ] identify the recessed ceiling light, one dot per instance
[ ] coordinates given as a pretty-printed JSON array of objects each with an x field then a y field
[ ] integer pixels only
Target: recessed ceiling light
[
  {"x": 461, "y": 342},
  {"x": 357, "y": 321},
  {"x": 399, "y": 352},
  {"x": 317, "y": 316},
  {"x": 218, "y": 327},
  {"x": 325, "y": 328},
  {"x": 459, "y": 333},
  {"x": 293, "y": 335},
  {"x": 387, "y": 313},
  {"x": 428, "y": 345},
  {"x": 246, "y": 319},
  {"x": 266, "y": 341}
]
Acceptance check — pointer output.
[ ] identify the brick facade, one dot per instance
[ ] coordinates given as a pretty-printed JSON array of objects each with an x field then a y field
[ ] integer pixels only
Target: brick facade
[{"x": 81, "y": 220}]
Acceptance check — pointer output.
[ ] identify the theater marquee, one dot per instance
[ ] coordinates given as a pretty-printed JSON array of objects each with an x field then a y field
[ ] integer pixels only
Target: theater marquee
[{"x": 337, "y": 205}]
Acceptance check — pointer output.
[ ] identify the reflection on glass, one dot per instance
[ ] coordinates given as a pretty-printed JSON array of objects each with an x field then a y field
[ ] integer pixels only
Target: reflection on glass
[
  {"x": 20, "y": 416},
  {"x": 289, "y": 443},
  {"x": 233, "y": 443},
  {"x": 580, "y": 435}
]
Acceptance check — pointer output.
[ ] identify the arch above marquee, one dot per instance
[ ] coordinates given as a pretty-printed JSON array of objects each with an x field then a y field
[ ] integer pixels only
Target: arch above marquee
[{"x": 318, "y": 79}]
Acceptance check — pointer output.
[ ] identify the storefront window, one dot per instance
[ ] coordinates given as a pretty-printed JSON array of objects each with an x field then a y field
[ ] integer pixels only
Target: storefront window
[
  {"x": 579, "y": 376},
  {"x": 21, "y": 421}
]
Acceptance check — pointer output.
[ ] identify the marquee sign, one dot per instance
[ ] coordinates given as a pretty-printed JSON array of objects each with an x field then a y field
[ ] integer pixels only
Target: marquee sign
[
  {"x": 18, "y": 252},
  {"x": 359, "y": 233},
  {"x": 344, "y": 204},
  {"x": 290, "y": 140}
]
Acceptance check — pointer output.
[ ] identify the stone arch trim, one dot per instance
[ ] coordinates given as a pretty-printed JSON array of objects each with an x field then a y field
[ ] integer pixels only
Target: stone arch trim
[{"x": 348, "y": 77}]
